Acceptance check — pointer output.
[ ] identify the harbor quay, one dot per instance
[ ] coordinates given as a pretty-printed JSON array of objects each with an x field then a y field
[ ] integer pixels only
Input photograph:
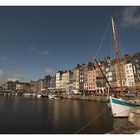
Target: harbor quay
[
  {"x": 134, "y": 116},
  {"x": 84, "y": 97}
]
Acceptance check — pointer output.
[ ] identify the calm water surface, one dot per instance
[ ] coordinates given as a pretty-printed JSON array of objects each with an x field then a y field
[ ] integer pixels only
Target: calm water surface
[{"x": 43, "y": 116}]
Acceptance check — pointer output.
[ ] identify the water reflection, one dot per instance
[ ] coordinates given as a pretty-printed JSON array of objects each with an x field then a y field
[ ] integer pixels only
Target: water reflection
[{"x": 32, "y": 115}]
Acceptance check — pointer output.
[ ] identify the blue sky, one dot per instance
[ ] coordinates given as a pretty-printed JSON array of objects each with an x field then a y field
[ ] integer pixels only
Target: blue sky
[{"x": 35, "y": 41}]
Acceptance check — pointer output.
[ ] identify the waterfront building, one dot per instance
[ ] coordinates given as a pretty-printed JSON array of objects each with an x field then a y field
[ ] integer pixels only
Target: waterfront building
[
  {"x": 32, "y": 86},
  {"x": 23, "y": 87},
  {"x": 52, "y": 82},
  {"x": 120, "y": 74},
  {"x": 69, "y": 88},
  {"x": 38, "y": 86},
  {"x": 110, "y": 72},
  {"x": 10, "y": 86},
  {"x": 66, "y": 79},
  {"x": 76, "y": 79},
  {"x": 127, "y": 58},
  {"x": 136, "y": 68},
  {"x": 130, "y": 80},
  {"x": 98, "y": 71},
  {"x": 58, "y": 76},
  {"x": 100, "y": 78},
  {"x": 48, "y": 83},
  {"x": 81, "y": 77},
  {"x": 90, "y": 84},
  {"x": 101, "y": 85}
]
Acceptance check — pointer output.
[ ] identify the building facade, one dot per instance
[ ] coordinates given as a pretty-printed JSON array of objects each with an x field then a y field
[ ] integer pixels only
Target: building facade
[
  {"x": 130, "y": 79},
  {"x": 136, "y": 68},
  {"x": 23, "y": 87},
  {"x": 66, "y": 79},
  {"x": 58, "y": 76},
  {"x": 120, "y": 74},
  {"x": 38, "y": 86},
  {"x": 110, "y": 72},
  {"x": 76, "y": 79},
  {"x": 90, "y": 84},
  {"x": 10, "y": 85},
  {"x": 81, "y": 77}
]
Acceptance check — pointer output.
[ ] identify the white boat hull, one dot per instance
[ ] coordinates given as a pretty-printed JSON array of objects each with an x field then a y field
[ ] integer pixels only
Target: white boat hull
[
  {"x": 38, "y": 96},
  {"x": 27, "y": 94},
  {"x": 120, "y": 108},
  {"x": 53, "y": 97}
]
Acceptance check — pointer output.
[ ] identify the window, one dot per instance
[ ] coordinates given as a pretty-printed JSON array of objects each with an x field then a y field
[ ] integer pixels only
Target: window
[{"x": 137, "y": 66}]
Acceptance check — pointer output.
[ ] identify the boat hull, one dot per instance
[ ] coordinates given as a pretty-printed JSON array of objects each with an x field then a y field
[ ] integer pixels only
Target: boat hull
[
  {"x": 53, "y": 97},
  {"x": 39, "y": 96},
  {"x": 120, "y": 108}
]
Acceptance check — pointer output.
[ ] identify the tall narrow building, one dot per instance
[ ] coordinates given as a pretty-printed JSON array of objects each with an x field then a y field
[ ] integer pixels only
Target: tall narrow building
[{"x": 136, "y": 67}]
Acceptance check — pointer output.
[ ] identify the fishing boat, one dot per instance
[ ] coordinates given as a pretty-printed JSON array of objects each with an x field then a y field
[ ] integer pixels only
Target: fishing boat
[
  {"x": 119, "y": 107},
  {"x": 27, "y": 94},
  {"x": 54, "y": 96},
  {"x": 38, "y": 95},
  {"x": 44, "y": 95},
  {"x": 34, "y": 95}
]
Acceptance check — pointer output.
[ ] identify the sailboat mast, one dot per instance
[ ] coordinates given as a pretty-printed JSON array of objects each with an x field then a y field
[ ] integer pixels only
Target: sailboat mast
[{"x": 117, "y": 52}]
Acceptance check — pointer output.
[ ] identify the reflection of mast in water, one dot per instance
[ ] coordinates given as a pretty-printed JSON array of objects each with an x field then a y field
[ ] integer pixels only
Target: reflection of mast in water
[{"x": 117, "y": 53}]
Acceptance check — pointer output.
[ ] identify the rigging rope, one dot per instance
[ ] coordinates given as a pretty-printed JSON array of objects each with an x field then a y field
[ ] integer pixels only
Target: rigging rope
[
  {"x": 101, "y": 42},
  {"x": 90, "y": 122}
]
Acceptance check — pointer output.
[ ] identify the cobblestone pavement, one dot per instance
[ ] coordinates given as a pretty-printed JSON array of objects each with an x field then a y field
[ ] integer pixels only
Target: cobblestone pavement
[{"x": 126, "y": 129}]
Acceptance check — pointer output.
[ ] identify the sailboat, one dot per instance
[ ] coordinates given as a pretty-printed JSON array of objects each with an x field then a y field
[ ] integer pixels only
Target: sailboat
[{"x": 119, "y": 107}]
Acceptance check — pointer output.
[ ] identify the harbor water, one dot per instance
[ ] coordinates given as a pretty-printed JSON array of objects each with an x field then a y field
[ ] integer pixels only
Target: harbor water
[{"x": 28, "y": 115}]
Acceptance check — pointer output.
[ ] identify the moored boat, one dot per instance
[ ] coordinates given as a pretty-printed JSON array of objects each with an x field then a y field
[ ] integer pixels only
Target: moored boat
[
  {"x": 121, "y": 108},
  {"x": 27, "y": 94},
  {"x": 44, "y": 95},
  {"x": 53, "y": 96},
  {"x": 38, "y": 95}
]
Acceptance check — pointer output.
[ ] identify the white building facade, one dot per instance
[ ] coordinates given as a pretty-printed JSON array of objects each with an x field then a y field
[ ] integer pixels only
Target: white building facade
[
  {"x": 130, "y": 80},
  {"x": 58, "y": 80}
]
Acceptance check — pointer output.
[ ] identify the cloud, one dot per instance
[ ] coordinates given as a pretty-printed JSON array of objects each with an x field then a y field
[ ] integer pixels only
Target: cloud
[
  {"x": 131, "y": 17},
  {"x": 4, "y": 77},
  {"x": 36, "y": 50},
  {"x": 33, "y": 48},
  {"x": 1, "y": 72},
  {"x": 3, "y": 58},
  {"x": 18, "y": 77},
  {"x": 50, "y": 71},
  {"x": 44, "y": 52}
]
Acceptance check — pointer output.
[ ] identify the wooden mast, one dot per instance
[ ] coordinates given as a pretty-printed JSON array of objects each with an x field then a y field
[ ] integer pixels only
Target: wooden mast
[{"x": 117, "y": 53}]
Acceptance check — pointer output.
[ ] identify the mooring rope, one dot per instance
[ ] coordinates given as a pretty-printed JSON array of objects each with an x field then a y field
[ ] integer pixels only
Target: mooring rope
[{"x": 90, "y": 121}]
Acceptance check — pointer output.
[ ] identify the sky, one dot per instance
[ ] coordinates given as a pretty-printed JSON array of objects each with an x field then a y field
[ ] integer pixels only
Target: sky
[{"x": 36, "y": 41}]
